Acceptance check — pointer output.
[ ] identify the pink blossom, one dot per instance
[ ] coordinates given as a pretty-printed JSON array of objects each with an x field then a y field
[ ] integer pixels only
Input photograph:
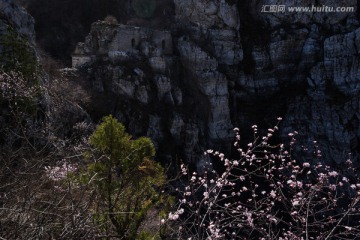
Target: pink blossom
[
  {"x": 272, "y": 194},
  {"x": 306, "y": 164},
  {"x": 333, "y": 174},
  {"x": 206, "y": 195}
]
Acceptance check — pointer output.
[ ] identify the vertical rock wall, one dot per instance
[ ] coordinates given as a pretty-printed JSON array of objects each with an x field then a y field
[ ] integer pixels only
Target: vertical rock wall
[{"x": 232, "y": 65}]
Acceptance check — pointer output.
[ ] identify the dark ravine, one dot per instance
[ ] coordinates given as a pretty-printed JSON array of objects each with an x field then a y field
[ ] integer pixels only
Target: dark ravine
[{"x": 188, "y": 84}]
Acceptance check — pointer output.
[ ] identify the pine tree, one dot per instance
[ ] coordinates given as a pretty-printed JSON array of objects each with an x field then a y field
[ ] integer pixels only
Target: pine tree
[{"x": 123, "y": 177}]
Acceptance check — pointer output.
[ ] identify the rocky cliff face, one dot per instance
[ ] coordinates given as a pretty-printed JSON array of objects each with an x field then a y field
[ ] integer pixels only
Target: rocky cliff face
[
  {"x": 225, "y": 64},
  {"x": 313, "y": 59},
  {"x": 13, "y": 16}
]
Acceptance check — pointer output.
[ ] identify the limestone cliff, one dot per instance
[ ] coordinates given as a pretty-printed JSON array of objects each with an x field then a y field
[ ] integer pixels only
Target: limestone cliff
[
  {"x": 226, "y": 63},
  {"x": 312, "y": 59}
]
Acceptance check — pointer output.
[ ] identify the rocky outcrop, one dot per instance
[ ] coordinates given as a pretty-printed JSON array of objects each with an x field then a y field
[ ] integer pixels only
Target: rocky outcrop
[
  {"x": 226, "y": 64},
  {"x": 138, "y": 66},
  {"x": 211, "y": 84},
  {"x": 330, "y": 109},
  {"x": 208, "y": 14},
  {"x": 13, "y": 16},
  {"x": 341, "y": 62},
  {"x": 315, "y": 65}
]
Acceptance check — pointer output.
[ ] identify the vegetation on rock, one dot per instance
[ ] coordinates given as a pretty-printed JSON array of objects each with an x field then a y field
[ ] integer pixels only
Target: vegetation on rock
[{"x": 17, "y": 55}]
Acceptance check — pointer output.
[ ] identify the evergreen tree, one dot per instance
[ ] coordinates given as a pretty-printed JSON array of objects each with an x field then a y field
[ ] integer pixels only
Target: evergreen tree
[{"x": 123, "y": 178}]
